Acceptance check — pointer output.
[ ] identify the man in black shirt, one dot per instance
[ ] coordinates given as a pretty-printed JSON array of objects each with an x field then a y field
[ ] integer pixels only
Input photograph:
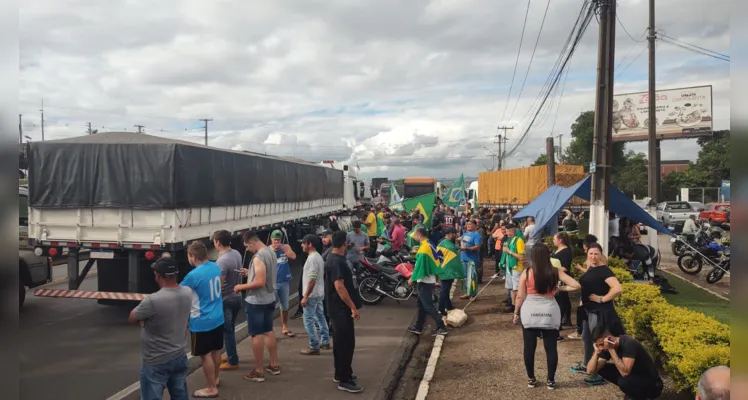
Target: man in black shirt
[
  {"x": 343, "y": 311},
  {"x": 624, "y": 362}
]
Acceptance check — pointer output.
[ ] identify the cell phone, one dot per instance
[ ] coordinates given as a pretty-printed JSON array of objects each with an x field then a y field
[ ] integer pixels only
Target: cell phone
[{"x": 607, "y": 340}]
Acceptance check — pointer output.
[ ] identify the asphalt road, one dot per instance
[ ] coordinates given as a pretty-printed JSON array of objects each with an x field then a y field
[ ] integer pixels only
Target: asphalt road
[{"x": 74, "y": 349}]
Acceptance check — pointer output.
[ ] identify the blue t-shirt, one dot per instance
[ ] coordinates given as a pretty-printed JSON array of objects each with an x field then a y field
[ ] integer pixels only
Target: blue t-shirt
[
  {"x": 470, "y": 239},
  {"x": 207, "y": 302},
  {"x": 283, "y": 268}
]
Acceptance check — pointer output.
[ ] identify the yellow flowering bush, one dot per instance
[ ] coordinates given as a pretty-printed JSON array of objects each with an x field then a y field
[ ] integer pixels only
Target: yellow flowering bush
[{"x": 686, "y": 342}]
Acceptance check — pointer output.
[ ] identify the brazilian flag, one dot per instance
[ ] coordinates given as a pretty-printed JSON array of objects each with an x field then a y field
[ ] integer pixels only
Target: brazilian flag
[
  {"x": 451, "y": 265},
  {"x": 410, "y": 240},
  {"x": 456, "y": 194},
  {"x": 428, "y": 261},
  {"x": 424, "y": 204},
  {"x": 381, "y": 227}
]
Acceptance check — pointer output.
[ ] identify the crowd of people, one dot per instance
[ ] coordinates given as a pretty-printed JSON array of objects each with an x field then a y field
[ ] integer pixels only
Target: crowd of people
[{"x": 201, "y": 311}]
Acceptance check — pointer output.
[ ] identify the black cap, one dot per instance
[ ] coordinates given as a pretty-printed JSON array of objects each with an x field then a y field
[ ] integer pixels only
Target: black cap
[
  {"x": 450, "y": 229},
  {"x": 166, "y": 266}
]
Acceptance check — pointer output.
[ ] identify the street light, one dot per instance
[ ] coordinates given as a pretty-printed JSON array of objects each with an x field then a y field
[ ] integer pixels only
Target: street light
[{"x": 28, "y": 138}]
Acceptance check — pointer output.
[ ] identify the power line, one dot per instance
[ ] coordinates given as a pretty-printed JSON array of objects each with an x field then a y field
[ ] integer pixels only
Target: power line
[
  {"x": 693, "y": 45},
  {"x": 693, "y": 50},
  {"x": 519, "y": 51},
  {"x": 583, "y": 21},
  {"x": 626, "y": 30},
  {"x": 631, "y": 48},
  {"x": 553, "y": 128},
  {"x": 619, "y": 73},
  {"x": 532, "y": 57}
]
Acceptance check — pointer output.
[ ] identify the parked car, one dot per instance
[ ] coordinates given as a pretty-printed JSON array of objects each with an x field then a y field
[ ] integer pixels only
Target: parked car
[
  {"x": 697, "y": 205},
  {"x": 669, "y": 212},
  {"x": 716, "y": 212}
]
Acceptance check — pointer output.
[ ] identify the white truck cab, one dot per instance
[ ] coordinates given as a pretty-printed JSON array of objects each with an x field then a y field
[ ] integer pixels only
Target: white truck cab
[{"x": 472, "y": 195}]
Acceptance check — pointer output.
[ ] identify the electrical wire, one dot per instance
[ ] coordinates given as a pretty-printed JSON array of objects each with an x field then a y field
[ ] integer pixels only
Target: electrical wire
[
  {"x": 668, "y": 41},
  {"x": 553, "y": 128},
  {"x": 580, "y": 27},
  {"x": 532, "y": 57},
  {"x": 693, "y": 45},
  {"x": 519, "y": 51},
  {"x": 619, "y": 73},
  {"x": 626, "y": 30},
  {"x": 631, "y": 48}
]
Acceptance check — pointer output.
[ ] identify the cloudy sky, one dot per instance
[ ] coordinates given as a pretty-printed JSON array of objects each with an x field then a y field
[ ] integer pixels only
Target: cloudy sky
[{"x": 402, "y": 88}]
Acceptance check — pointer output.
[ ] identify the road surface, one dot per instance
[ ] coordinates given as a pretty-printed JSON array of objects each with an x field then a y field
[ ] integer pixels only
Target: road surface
[{"x": 74, "y": 349}]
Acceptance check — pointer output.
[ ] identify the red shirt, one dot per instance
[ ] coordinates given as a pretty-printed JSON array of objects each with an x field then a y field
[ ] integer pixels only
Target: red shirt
[{"x": 398, "y": 237}]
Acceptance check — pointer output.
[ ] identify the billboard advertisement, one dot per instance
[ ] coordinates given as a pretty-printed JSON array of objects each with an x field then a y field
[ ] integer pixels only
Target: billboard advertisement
[{"x": 681, "y": 113}]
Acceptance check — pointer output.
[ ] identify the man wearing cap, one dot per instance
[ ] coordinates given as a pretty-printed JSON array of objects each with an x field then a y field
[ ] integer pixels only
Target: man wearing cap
[
  {"x": 314, "y": 295},
  {"x": 371, "y": 228},
  {"x": 283, "y": 253},
  {"x": 358, "y": 243},
  {"x": 164, "y": 317}
]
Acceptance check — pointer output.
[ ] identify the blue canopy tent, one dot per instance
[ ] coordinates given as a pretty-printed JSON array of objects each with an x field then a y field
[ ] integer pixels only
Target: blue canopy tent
[{"x": 546, "y": 207}]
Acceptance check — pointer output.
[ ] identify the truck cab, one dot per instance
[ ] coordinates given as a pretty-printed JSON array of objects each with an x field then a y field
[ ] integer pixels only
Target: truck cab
[
  {"x": 33, "y": 270},
  {"x": 472, "y": 195}
]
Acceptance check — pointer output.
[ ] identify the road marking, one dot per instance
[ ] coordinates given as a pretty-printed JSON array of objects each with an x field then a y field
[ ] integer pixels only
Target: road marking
[
  {"x": 136, "y": 386},
  {"x": 423, "y": 388}
]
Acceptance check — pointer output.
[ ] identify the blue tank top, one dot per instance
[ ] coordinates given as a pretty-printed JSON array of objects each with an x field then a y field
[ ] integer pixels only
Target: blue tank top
[{"x": 283, "y": 268}]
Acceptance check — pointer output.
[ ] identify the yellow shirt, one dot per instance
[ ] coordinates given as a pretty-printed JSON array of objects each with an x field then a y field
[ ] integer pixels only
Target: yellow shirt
[
  {"x": 371, "y": 224},
  {"x": 521, "y": 252},
  {"x": 381, "y": 215}
]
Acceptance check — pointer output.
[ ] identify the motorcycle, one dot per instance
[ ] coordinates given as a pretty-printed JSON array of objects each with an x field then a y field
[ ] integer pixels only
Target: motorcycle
[
  {"x": 385, "y": 281},
  {"x": 706, "y": 233},
  {"x": 716, "y": 274},
  {"x": 692, "y": 261}
]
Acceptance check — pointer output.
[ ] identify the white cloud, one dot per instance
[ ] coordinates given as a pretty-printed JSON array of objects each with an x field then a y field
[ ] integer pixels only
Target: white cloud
[{"x": 401, "y": 88}]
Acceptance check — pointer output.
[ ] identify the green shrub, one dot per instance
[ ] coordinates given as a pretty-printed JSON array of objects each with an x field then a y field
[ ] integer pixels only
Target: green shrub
[{"x": 686, "y": 342}]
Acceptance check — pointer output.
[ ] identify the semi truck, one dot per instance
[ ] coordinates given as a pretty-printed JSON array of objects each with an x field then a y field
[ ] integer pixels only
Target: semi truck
[
  {"x": 418, "y": 186},
  {"x": 132, "y": 198},
  {"x": 33, "y": 270}
]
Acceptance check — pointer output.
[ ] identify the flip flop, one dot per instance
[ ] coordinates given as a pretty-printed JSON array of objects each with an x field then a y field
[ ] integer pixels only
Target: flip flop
[
  {"x": 198, "y": 395},
  {"x": 288, "y": 334}
]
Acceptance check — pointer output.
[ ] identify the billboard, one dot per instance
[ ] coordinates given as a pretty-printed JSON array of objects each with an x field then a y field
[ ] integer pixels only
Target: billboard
[{"x": 681, "y": 113}]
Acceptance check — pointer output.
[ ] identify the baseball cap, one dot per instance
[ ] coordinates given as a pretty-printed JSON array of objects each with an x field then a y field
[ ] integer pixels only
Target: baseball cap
[
  {"x": 326, "y": 232},
  {"x": 277, "y": 234},
  {"x": 450, "y": 229},
  {"x": 166, "y": 266}
]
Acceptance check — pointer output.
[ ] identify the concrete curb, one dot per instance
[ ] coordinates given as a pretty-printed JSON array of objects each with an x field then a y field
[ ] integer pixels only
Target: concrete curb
[
  {"x": 397, "y": 368},
  {"x": 698, "y": 286},
  {"x": 436, "y": 351}
]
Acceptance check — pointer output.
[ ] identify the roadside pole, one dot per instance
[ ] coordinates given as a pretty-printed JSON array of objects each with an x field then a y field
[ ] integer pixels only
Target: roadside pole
[{"x": 653, "y": 144}]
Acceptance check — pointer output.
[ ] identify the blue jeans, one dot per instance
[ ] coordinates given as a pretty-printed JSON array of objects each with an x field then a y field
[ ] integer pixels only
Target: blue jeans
[
  {"x": 426, "y": 306},
  {"x": 231, "y": 307},
  {"x": 315, "y": 322},
  {"x": 282, "y": 291},
  {"x": 170, "y": 375}
]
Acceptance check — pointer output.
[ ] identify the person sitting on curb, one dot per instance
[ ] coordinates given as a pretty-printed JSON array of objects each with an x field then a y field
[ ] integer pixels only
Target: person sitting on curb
[{"x": 624, "y": 362}]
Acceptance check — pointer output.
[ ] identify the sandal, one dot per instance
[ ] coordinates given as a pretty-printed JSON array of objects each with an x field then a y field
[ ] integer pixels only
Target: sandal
[
  {"x": 200, "y": 394},
  {"x": 288, "y": 334}
]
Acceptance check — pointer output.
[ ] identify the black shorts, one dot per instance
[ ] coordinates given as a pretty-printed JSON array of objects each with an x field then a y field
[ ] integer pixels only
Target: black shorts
[{"x": 205, "y": 342}]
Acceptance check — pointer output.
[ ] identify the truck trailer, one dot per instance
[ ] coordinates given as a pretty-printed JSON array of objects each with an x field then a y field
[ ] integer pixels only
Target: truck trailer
[
  {"x": 132, "y": 198},
  {"x": 518, "y": 187}
]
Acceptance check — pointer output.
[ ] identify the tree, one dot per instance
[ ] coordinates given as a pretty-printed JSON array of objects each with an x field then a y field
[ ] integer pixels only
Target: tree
[
  {"x": 579, "y": 151},
  {"x": 711, "y": 167},
  {"x": 632, "y": 177},
  {"x": 541, "y": 160}
]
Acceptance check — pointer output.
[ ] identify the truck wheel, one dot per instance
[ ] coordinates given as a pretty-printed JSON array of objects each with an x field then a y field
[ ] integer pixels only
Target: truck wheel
[{"x": 21, "y": 294}]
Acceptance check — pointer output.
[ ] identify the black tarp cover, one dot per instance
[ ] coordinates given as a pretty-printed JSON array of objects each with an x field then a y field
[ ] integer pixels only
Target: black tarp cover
[{"x": 131, "y": 170}]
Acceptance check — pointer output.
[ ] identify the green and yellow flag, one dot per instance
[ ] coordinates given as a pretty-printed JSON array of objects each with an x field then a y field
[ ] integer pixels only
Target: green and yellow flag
[
  {"x": 451, "y": 265},
  {"x": 456, "y": 194},
  {"x": 428, "y": 261},
  {"x": 381, "y": 227},
  {"x": 423, "y": 203}
]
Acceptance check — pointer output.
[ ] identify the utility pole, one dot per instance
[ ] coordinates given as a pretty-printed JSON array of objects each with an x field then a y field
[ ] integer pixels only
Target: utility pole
[
  {"x": 205, "y": 121},
  {"x": 140, "y": 128},
  {"x": 653, "y": 143},
  {"x": 501, "y": 155},
  {"x": 498, "y": 155},
  {"x": 20, "y": 128},
  {"x": 602, "y": 145},
  {"x": 551, "y": 163},
  {"x": 42, "y": 111},
  {"x": 90, "y": 131}
]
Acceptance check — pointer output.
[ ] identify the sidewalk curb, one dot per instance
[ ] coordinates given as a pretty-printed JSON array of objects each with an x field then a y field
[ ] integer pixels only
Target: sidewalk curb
[
  {"x": 397, "y": 367},
  {"x": 698, "y": 286},
  {"x": 423, "y": 389}
]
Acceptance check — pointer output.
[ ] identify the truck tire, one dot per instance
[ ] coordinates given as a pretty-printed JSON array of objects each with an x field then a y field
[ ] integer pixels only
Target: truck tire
[{"x": 21, "y": 294}]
